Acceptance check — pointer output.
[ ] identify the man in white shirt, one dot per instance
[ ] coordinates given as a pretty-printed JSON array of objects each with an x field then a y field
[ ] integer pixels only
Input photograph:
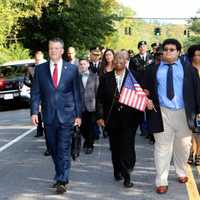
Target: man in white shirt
[{"x": 56, "y": 87}]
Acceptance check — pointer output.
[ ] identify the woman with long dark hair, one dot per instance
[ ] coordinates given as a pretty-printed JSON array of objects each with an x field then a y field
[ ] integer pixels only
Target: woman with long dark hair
[
  {"x": 107, "y": 62},
  {"x": 194, "y": 58}
]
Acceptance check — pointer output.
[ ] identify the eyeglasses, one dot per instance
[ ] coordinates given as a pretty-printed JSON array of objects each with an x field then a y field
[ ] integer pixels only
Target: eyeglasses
[
  {"x": 95, "y": 54},
  {"x": 170, "y": 49}
]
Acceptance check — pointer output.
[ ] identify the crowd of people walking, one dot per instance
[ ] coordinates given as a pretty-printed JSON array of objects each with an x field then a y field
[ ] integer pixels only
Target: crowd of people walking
[{"x": 85, "y": 92}]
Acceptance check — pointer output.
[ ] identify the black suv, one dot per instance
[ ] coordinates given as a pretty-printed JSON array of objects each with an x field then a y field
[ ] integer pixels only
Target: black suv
[{"x": 12, "y": 86}]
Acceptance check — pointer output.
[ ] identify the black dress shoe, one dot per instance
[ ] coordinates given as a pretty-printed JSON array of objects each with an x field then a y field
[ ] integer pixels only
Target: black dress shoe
[
  {"x": 47, "y": 153},
  {"x": 38, "y": 135},
  {"x": 88, "y": 150},
  {"x": 97, "y": 137},
  {"x": 84, "y": 145},
  {"x": 128, "y": 184},
  {"x": 55, "y": 184},
  {"x": 118, "y": 177},
  {"x": 61, "y": 188},
  {"x": 130, "y": 169}
]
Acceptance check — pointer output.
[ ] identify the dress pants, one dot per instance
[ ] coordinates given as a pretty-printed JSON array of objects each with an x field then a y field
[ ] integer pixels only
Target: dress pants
[
  {"x": 87, "y": 128},
  {"x": 132, "y": 160},
  {"x": 59, "y": 138},
  {"x": 121, "y": 144},
  {"x": 39, "y": 126},
  {"x": 174, "y": 142}
]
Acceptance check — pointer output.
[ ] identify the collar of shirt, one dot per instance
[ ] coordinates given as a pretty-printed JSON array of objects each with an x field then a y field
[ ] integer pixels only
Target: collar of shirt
[
  {"x": 86, "y": 73},
  {"x": 127, "y": 64},
  {"x": 177, "y": 62},
  {"x": 85, "y": 76},
  {"x": 119, "y": 79},
  {"x": 96, "y": 63},
  {"x": 143, "y": 56},
  {"x": 59, "y": 64}
]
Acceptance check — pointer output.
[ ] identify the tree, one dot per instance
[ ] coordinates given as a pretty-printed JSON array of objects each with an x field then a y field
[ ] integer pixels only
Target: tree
[
  {"x": 14, "y": 52},
  {"x": 194, "y": 28},
  {"x": 80, "y": 23}
]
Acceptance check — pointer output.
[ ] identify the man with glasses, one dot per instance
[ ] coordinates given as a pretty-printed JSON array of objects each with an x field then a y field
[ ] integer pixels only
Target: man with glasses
[
  {"x": 95, "y": 59},
  {"x": 175, "y": 97}
]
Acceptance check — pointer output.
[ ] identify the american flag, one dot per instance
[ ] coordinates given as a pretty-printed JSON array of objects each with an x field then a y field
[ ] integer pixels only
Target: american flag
[{"x": 132, "y": 94}]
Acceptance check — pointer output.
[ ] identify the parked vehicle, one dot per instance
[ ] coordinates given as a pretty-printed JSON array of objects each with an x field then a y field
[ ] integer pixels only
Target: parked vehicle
[{"x": 12, "y": 87}]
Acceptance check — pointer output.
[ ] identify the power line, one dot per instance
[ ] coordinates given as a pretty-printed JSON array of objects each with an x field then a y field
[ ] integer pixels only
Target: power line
[{"x": 160, "y": 18}]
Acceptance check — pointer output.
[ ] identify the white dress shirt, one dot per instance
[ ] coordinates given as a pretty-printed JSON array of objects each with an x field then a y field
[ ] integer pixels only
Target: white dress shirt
[
  {"x": 59, "y": 65},
  {"x": 85, "y": 76},
  {"x": 143, "y": 56},
  {"x": 119, "y": 80},
  {"x": 96, "y": 64}
]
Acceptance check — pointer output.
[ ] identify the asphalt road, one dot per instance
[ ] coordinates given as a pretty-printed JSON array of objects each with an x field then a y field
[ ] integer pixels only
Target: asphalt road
[{"x": 26, "y": 174}]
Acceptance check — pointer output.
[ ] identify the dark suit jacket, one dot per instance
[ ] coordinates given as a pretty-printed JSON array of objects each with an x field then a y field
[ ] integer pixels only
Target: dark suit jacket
[
  {"x": 138, "y": 65},
  {"x": 108, "y": 107},
  {"x": 94, "y": 69},
  {"x": 191, "y": 96},
  {"x": 28, "y": 77},
  {"x": 63, "y": 101},
  {"x": 88, "y": 94}
]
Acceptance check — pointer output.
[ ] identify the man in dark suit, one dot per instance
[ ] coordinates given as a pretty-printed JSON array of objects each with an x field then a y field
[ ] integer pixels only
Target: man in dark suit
[
  {"x": 95, "y": 59},
  {"x": 28, "y": 79},
  {"x": 121, "y": 121},
  {"x": 56, "y": 86},
  {"x": 173, "y": 88},
  {"x": 89, "y": 85}
]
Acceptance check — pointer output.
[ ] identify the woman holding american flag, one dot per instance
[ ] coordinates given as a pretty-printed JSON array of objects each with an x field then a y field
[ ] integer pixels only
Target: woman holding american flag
[{"x": 121, "y": 115}]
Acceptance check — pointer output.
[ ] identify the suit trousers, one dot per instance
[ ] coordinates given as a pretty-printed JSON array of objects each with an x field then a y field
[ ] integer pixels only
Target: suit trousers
[
  {"x": 174, "y": 142},
  {"x": 122, "y": 144},
  {"x": 59, "y": 139},
  {"x": 87, "y": 128},
  {"x": 39, "y": 126}
]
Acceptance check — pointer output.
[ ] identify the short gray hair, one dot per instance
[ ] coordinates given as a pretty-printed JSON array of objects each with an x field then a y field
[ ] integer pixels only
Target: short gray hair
[
  {"x": 57, "y": 39},
  {"x": 119, "y": 54}
]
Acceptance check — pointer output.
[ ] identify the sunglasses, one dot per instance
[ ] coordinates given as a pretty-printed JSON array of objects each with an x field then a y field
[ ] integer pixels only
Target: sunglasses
[{"x": 170, "y": 49}]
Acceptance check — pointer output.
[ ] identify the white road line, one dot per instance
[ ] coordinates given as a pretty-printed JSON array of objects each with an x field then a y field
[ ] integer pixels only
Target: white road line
[
  {"x": 15, "y": 127},
  {"x": 16, "y": 139}
]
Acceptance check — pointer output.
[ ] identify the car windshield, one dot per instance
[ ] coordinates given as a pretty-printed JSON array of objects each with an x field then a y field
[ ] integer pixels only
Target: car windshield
[{"x": 11, "y": 71}]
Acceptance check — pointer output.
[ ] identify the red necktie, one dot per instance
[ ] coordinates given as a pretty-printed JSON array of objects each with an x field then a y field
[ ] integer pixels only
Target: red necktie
[{"x": 55, "y": 75}]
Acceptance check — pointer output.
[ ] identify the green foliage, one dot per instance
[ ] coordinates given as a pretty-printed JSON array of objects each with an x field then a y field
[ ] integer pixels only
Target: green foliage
[
  {"x": 13, "y": 52},
  {"x": 192, "y": 40},
  {"x": 141, "y": 30},
  {"x": 80, "y": 23},
  {"x": 195, "y": 25},
  {"x": 194, "y": 28},
  {"x": 83, "y": 24},
  {"x": 7, "y": 21}
]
